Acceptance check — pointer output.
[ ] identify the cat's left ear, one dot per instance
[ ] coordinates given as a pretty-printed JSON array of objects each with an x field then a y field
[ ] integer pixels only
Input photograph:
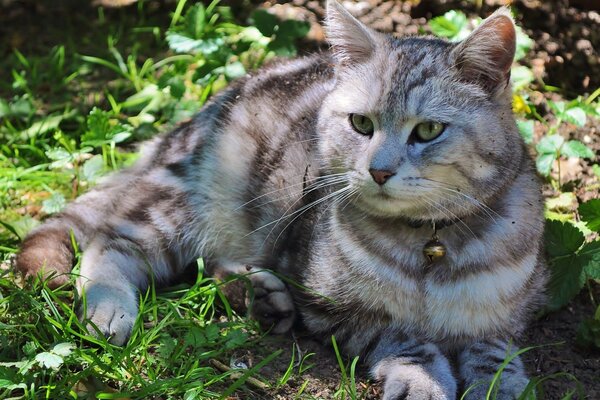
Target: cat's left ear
[
  {"x": 486, "y": 55},
  {"x": 351, "y": 41}
]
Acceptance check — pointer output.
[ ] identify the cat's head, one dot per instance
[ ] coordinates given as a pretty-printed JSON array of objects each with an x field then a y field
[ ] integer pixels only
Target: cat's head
[{"x": 422, "y": 128}]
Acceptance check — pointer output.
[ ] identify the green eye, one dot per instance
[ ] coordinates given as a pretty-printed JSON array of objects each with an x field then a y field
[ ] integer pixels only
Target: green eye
[
  {"x": 429, "y": 130},
  {"x": 361, "y": 124}
]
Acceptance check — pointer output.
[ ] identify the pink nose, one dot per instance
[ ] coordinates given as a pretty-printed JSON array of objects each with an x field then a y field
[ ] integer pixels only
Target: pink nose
[{"x": 380, "y": 176}]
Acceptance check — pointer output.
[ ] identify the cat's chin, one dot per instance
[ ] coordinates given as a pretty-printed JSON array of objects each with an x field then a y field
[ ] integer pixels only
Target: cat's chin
[{"x": 386, "y": 206}]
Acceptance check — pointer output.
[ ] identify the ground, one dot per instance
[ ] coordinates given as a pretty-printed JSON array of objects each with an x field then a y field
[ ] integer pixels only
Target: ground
[{"x": 566, "y": 55}]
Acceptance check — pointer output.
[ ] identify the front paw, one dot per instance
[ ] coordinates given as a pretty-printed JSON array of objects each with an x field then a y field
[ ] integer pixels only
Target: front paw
[
  {"x": 111, "y": 311},
  {"x": 413, "y": 382},
  {"x": 507, "y": 389}
]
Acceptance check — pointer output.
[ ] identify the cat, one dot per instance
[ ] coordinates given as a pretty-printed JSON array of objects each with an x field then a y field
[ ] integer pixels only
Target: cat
[{"x": 386, "y": 177}]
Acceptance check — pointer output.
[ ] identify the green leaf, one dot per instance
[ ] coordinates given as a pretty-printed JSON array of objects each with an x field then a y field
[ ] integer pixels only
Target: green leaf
[
  {"x": 4, "y": 383},
  {"x": 557, "y": 106},
  {"x": 521, "y": 76},
  {"x": 574, "y": 148},
  {"x": 452, "y": 25},
  {"x": 591, "y": 254},
  {"x": 524, "y": 44},
  {"x": 588, "y": 334},
  {"x": 195, "y": 21},
  {"x": 63, "y": 349},
  {"x": 54, "y": 204},
  {"x": 562, "y": 238},
  {"x": 49, "y": 123},
  {"x": 575, "y": 116},
  {"x": 565, "y": 280},
  {"x": 234, "y": 70},
  {"x": 544, "y": 162},
  {"x": 596, "y": 169},
  {"x": 265, "y": 22},
  {"x": 293, "y": 29},
  {"x": 92, "y": 168},
  {"x": 184, "y": 44},
  {"x": 564, "y": 201},
  {"x": 550, "y": 144},
  {"x": 590, "y": 213},
  {"x": 49, "y": 360},
  {"x": 526, "y": 130}
]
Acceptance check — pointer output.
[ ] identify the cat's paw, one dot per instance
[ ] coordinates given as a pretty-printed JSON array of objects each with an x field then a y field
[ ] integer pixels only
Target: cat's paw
[
  {"x": 412, "y": 382},
  {"x": 510, "y": 389},
  {"x": 268, "y": 299},
  {"x": 111, "y": 311},
  {"x": 426, "y": 377},
  {"x": 271, "y": 303}
]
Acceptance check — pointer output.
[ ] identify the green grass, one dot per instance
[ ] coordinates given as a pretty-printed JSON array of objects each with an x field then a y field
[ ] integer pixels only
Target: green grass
[{"x": 72, "y": 113}]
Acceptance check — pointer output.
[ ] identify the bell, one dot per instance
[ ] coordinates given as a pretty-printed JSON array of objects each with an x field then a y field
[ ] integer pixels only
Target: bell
[{"x": 434, "y": 250}]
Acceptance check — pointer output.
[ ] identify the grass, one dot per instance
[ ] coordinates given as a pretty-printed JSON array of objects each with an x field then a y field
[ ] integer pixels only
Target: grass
[{"x": 72, "y": 112}]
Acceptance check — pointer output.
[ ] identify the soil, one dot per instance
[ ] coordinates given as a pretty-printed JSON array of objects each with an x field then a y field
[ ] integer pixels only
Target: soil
[{"x": 566, "y": 55}]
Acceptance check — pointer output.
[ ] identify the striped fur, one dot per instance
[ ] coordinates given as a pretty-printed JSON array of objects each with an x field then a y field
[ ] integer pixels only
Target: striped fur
[{"x": 271, "y": 175}]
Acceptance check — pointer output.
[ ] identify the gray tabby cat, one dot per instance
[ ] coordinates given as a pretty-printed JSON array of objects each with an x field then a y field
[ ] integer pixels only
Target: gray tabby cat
[{"x": 333, "y": 170}]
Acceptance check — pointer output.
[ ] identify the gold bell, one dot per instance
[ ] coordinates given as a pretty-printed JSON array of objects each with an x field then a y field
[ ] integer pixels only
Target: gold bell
[{"x": 434, "y": 250}]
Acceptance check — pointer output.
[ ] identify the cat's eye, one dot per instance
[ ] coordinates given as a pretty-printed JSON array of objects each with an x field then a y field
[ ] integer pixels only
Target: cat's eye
[
  {"x": 429, "y": 130},
  {"x": 361, "y": 124}
]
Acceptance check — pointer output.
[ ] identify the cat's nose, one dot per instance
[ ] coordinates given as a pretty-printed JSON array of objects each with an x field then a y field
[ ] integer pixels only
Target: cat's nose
[{"x": 380, "y": 176}]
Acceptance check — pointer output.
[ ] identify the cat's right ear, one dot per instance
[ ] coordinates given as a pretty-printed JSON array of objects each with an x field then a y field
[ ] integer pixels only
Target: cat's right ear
[{"x": 351, "y": 41}]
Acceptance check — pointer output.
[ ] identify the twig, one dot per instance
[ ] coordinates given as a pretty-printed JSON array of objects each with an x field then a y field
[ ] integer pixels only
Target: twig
[{"x": 235, "y": 375}]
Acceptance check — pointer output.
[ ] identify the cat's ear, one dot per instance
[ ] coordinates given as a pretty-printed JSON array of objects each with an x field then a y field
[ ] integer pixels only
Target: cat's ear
[
  {"x": 486, "y": 55},
  {"x": 351, "y": 40}
]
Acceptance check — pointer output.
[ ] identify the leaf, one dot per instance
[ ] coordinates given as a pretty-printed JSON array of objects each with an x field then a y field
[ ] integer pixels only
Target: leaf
[
  {"x": 588, "y": 334},
  {"x": 98, "y": 124},
  {"x": 93, "y": 168},
  {"x": 565, "y": 281},
  {"x": 544, "y": 162},
  {"x": 557, "y": 106},
  {"x": 234, "y": 70},
  {"x": 451, "y": 25},
  {"x": 4, "y": 383},
  {"x": 195, "y": 21},
  {"x": 550, "y": 144},
  {"x": 574, "y": 148},
  {"x": 265, "y": 22},
  {"x": 575, "y": 116},
  {"x": 521, "y": 76},
  {"x": 562, "y": 238},
  {"x": 184, "y": 44},
  {"x": 564, "y": 201},
  {"x": 596, "y": 169},
  {"x": 63, "y": 349},
  {"x": 524, "y": 44},
  {"x": 49, "y": 360},
  {"x": 49, "y": 123},
  {"x": 293, "y": 29},
  {"x": 526, "y": 130},
  {"x": 54, "y": 204},
  {"x": 590, "y": 213},
  {"x": 591, "y": 254}
]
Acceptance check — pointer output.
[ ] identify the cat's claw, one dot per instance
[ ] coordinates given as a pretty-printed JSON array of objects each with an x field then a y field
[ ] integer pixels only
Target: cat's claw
[{"x": 111, "y": 311}]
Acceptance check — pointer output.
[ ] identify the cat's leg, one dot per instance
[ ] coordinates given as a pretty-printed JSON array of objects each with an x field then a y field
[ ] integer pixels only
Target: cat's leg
[
  {"x": 477, "y": 364},
  {"x": 269, "y": 300},
  {"x": 408, "y": 368},
  {"x": 411, "y": 369},
  {"x": 113, "y": 271}
]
